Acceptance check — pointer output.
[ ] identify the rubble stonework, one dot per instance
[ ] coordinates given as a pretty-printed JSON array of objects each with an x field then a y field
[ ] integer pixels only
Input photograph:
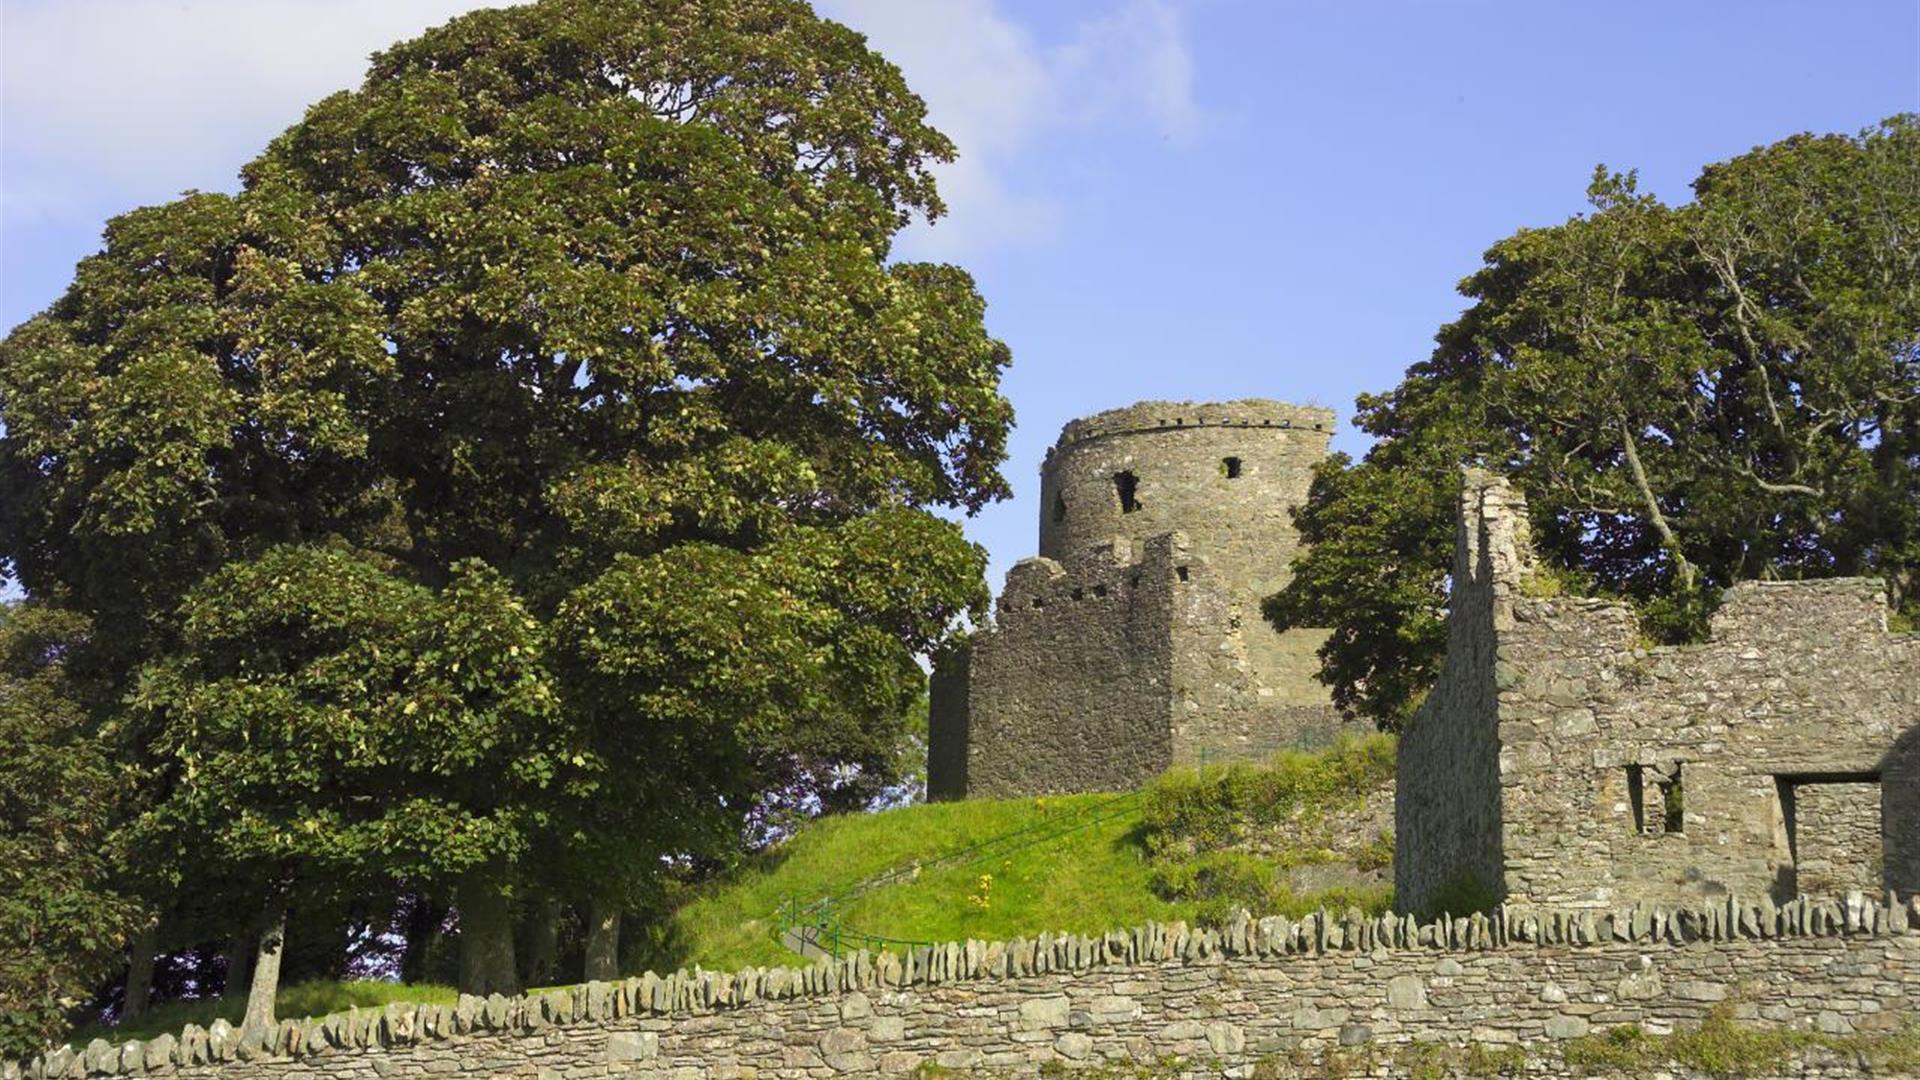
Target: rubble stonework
[
  {"x": 1274, "y": 993},
  {"x": 1561, "y": 760},
  {"x": 1134, "y": 640}
]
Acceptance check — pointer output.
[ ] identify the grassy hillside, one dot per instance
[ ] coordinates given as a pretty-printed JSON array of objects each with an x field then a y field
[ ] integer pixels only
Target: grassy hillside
[
  {"x": 1192, "y": 845},
  {"x": 1287, "y": 836}
]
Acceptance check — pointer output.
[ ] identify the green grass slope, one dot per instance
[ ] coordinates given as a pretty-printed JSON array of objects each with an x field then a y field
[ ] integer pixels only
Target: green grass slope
[
  {"x": 1284, "y": 836},
  {"x": 1092, "y": 878},
  {"x": 1194, "y": 844}
]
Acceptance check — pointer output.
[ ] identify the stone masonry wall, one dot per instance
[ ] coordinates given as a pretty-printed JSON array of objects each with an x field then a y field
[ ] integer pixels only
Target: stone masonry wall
[
  {"x": 1800, "y": 681},
  {"x": 1111, "y": 677},
  {"x": 1447, "y": 813},
  {"x": 1270, "y": 991},
  {"x": 1628, "y": 772},
  {"x": 1238, "y": 517},
  {"x": 1087, "y": 670},
  {"x": 1839, "y": 829}
]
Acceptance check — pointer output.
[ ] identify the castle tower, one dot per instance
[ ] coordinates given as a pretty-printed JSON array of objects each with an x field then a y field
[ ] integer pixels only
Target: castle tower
[
  {"x": 1227, "y": 475},
  {"x": 1134, "y": 640}
]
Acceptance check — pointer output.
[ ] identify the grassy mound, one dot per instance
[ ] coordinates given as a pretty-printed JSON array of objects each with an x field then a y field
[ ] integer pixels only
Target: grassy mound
[
  {"x": 1194, "y": 844},
  {"x": 1286, "y": 836}
]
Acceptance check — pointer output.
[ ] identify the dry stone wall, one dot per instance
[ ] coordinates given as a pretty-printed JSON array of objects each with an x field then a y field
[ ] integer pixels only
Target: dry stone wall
[{"x": 1270, "y": 992}]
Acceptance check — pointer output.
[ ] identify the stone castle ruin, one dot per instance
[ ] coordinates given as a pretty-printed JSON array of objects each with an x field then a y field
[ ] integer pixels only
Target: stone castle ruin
[
  {"x": 1669, "y": 834},
  {"x": 1562, "y": 762},
  {"x": 1134, "y": 640}
]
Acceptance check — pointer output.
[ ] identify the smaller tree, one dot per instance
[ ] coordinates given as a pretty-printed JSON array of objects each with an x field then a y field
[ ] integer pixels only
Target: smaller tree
[
  {"x": 748, "y": 679},
  {"x": 62, "y": 924},
  {"x": 330, "y": 727},
  {"x": 1689, "y": 397}
]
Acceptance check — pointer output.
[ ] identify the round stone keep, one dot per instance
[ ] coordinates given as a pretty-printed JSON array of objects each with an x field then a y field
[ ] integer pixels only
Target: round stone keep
[{"x": 1227, "y": 474}]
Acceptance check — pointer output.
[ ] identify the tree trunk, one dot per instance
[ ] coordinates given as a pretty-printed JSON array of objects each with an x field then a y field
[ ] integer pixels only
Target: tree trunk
[
  {"x": 239, "y": 965},
  {"x": 140, "y": 955},
  {"x": 266, "y": 974},
  {"x": 603, "y": 942},
  {"x": 486, "y": 934},
  {"x": 543, "y": 943},
  {"x": 420, "y": 927},
  {"x": 1682, "y": 569}
]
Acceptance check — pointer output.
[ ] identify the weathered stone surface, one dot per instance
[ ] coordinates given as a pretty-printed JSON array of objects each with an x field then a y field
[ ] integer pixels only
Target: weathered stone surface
[
  {"x": 1134, "y": 639},
  {"x": 1560, "y": 763},
  {"x": 1406, "y": 992},
  {"x": 1045, "y": 1012},
  {"x": 1567, "y": 1027},
  {"x": 633, "y": 1046},
  {"x": 1224, "y": 1012}
]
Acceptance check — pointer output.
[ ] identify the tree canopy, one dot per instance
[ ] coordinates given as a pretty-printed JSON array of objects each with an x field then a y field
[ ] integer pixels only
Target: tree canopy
[
  {"x": 1689, "y": 396},
  {"x": 568, "y": 344}
]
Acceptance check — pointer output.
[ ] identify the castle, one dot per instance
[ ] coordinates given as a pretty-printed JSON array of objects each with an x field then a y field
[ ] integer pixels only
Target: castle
[
  {"x": 1134, "y": 640},
  {"x": 1664, "y": 835},
  {"x": 1561, "y": 762}
]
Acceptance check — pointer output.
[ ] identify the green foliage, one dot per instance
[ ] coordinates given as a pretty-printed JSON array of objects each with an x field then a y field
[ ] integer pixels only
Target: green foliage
[
  {"x": 1195, "y": 810},
  {"x": 61, "y": 920},
  {"x": 1217, "y": 883},
  {"x": 1377, "y": 855},
  {"x": 329, "y": 725},
  {"x": 1086, "y": 881},
  {"x": 317, "y": 997},
  {"x": 1722, "y": 1047},
  {"x": 532, "y": 466},
  {"x": 1129, "y": 863},
  {"x": 1442, "y": 1061},
  {"x": 1688, "y": 396}
]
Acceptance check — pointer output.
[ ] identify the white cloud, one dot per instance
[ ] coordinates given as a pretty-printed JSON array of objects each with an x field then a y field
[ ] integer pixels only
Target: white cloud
[
  {"x": 109, "y": 104},
  {"x": 129, "y": 101},
  {"x": 998, "y": 94}
]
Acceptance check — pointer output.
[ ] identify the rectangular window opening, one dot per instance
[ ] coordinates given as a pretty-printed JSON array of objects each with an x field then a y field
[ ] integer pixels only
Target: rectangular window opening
[
  {"x": 1658, "y": 798},
  {"x": 1127, "y": 486},
  {"x": 1230, "y": 466}
]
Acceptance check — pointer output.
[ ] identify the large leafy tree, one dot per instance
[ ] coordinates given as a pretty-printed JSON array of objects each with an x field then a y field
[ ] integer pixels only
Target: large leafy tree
[
  {"x": 589, "y": 301},
  {"x": 330, "y": 727},
  {"x": 1690, "y": 396},
  {"x": 61, "y": 920}
]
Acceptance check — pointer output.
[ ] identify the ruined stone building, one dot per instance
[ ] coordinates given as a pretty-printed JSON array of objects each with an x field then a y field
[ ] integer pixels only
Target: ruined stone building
[
  {"x": 1562, "y": 761},
  {"x": 1135, "y": 639}
]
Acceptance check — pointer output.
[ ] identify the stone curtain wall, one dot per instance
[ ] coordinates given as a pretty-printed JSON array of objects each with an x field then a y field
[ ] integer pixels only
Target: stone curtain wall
[
  {"x": 1073, "y": 687},
  {"x": 1628, "y": 773},
  {"x": 1269, "y": 990},
  {"x": 1800, "y": 680},
  {"x": 1447, "y": 813}
]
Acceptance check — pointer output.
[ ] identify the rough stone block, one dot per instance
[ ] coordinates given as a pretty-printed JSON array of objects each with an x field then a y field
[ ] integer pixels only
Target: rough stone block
[
  {"x": 625, "y": 1046},
  {"x": 1044, "y": 1012}
]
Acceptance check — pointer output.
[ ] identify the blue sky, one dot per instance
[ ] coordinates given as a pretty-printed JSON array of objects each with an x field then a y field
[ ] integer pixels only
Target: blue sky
[{"x": 1190, "y": 199}]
